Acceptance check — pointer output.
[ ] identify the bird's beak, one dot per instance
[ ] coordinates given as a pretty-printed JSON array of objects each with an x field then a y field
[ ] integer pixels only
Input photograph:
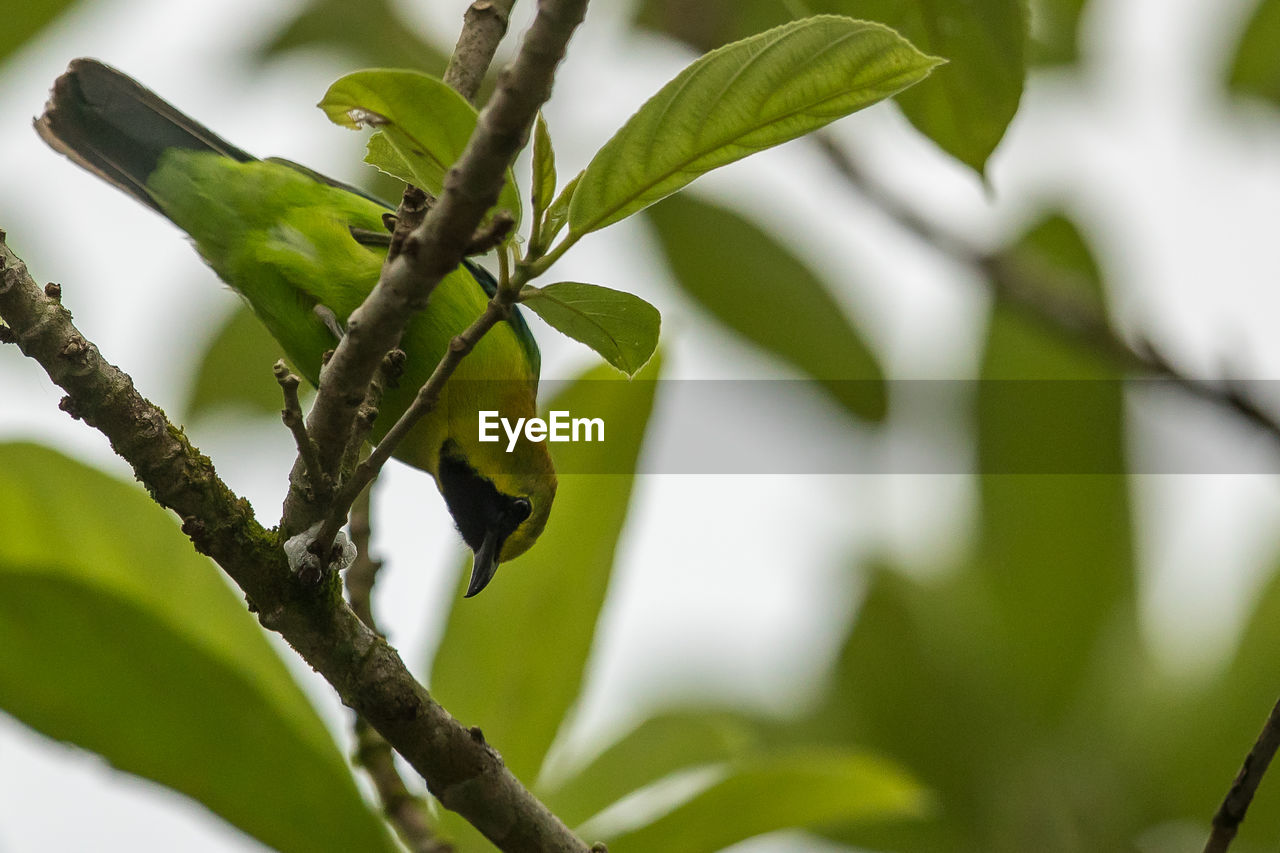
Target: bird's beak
[{"x": 486, "y": 564}]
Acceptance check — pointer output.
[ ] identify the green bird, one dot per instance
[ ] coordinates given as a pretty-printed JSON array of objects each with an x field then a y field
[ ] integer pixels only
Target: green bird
[{"x": 302, "y": 250}]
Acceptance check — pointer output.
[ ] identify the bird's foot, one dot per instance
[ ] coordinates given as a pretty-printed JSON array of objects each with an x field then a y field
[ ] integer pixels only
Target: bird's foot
[
  {"x": 307, "y": 566},
  {"x": 330, "y": 320}
]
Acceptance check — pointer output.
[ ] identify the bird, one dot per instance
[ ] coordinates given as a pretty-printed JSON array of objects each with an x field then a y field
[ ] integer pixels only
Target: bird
[{"x": 303, "y": 251}]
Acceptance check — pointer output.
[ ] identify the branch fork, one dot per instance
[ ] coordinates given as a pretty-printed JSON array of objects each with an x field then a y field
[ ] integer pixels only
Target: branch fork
[{"x": 367, "y": 674}]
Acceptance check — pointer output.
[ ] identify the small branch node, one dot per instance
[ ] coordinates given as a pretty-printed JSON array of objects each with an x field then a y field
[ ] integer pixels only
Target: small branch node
[
  {"x": 69, "y": 405},
  {"x": 393, "y": 367},
  {"x": 12, "y": 275},
  {"x": 491, "y": 235},
  {"x": 194, "y": 528},
  {"x": 74, "y": 349},
  {"x": 296, "y": 422}
]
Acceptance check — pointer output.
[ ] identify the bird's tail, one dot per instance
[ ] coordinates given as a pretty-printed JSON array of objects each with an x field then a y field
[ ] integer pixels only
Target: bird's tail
[{"x": 107, "y": 123}]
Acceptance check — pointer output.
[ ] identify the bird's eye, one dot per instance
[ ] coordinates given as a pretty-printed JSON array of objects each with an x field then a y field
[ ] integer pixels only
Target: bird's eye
[{"x": 520, "y": 509}]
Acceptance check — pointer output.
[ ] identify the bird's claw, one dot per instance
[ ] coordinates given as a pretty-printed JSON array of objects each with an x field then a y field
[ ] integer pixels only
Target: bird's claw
[{"x": 307, "y": 566}]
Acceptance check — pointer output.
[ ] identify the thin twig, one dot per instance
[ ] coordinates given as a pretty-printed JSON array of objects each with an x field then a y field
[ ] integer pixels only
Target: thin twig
[
  {"x": 406, "y": 811},
  {"x": 484, "y": 25},
  {"x": 460, "y": 769},
  {"x": 363, "y": 573},
  {"x": 293, "y": 418},
  {"x": 1229, "y": 815},
  {"x": 423, "y": 404},
  {"x": 1038, "y": 292},
  {"x": 435, "y": 248}
]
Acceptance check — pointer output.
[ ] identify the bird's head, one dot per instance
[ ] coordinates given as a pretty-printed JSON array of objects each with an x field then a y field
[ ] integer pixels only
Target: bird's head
[{"x": 500, "y": 510}]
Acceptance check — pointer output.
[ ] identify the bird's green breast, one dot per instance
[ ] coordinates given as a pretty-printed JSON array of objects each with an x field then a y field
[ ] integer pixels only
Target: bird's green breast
[{"x": 282, "y": 240}]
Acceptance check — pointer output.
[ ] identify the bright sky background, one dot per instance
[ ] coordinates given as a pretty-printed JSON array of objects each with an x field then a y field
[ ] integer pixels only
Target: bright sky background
[{"x": 1180, "y": 191}]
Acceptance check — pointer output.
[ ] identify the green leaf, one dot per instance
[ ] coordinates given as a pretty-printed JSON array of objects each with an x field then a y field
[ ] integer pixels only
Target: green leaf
[
  {"x": 1057, "y": 548},
  {"x": 737, "y": 100},
  {"x": 802, "y": 788},
  {"x": 544, "y": 168},
  {"x": 661, "y": 745},
  {"x": 558, "y": 212},
  {"x": 986, "y": 682},
  {"x": 117, "y": 636},
  {"x": 760, "y": 289},
  {"x": 383, "y": 156},
  {"x": 367, "y": 32},
  {"x": 235, "y": 370},
  {"x": 500, "y": 664},
  {"x": 708, "y": 24},
  {"x": 1055, "y": 30},
  {"x": 23, "y": 21},
  {"x": 620, "y": 326},
  {"x": 1166, "y": 733},
  {"x": 967, "y": 106},
  {"x": 1256, "y": 68},
  {"x": 919, "y": 679},
  {"x": 426, "y": 124}
]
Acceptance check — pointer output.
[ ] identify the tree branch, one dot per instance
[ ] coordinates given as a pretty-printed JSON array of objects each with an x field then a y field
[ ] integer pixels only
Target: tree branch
[
  {"x": 417, "y": 262},
  {"x": 1230, "y": 814},
  {"x": 460, "y": 769},
  {"x": 484, "y": 25},
  {"x": 428, "y": 396},
  {"x": 1039, "y": 295},
  {"x": 406, "y": 811}
]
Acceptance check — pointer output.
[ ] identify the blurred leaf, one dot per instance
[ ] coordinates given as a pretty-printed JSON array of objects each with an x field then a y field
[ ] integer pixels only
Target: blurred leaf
[
  {"x": 117, "y": 636},
  {"x": 511, "y": 660},
  {"x": 986, "y": 683},
  {"x": 1056, "y": 548},
  {"x": 661, "y": 745},
  {"x": 1256, "y": 68},
  {"x": 751, "y": 95},
  {"x": 1190, "y": 738},
  {"x": 797, "y": 789},
  {"x": 760, "y": 289},
  {"x": 426, "y": 123},
  {"x": 708, "y": 24},
  {"x": 544, "y": 168},
  {"x": 621, "y": 327},
  {"x": 235, "y": 371},
  {"x": 1055, "y": 31},
  {"x": 919, "y": 679},
  {"x": 965, "y": 107},
  {"x": 370, "y": 32},
  {"x": 23, "y": 21}
]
